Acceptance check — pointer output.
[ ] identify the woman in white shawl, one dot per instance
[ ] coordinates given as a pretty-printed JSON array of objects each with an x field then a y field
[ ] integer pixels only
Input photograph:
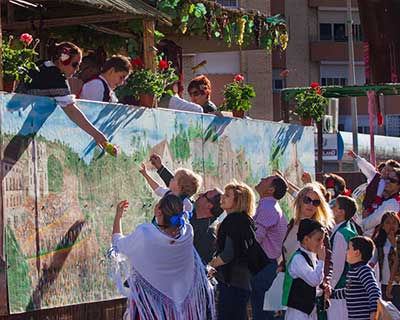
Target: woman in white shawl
[{"x": 167, "y": 279}]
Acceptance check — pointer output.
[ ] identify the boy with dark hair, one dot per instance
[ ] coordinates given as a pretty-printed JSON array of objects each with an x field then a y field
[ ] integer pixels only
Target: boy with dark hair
[
  {"x": 361, "y": 291},
  {"x": 343, "y": 210},
  {"x": 305, "y": 272}
]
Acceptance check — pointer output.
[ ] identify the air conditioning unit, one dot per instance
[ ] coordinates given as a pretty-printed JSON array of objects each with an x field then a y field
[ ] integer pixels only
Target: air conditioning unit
[
  {"x": 327, "y": 124},
  {"x": 333, "y": 111}
]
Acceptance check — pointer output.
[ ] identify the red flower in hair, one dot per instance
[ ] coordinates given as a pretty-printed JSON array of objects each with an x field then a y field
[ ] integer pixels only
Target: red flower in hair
[
  {"x": 330, "y": 183},
  {"x": 347, "y": 192},
  {"x": 137, "y": 63},
  {"x": 163, "y": 65},
  {"x": 238, "y": 78},
  {"x": 26, "y": 38}
]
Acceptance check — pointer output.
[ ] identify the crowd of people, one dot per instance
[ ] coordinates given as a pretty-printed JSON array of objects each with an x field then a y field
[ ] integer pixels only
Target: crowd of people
[
  {"x": 337, "y": 261},
  {"x": 336, "y": 264}
]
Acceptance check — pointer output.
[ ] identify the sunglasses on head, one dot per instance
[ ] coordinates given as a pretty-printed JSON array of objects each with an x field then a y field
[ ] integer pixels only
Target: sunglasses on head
[
  {"x": 392, "y": 180},
  {"x": 308, "y": 200},
  {"x": 196, "y": 93},
  {"x": 75, "y": 64}
]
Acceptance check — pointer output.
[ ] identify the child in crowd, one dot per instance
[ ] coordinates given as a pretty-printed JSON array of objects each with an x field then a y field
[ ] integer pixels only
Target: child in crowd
[
  {"x": 114, "y": 74},
  {"x": 305, "y": 272},
  {"x": 185, "y": 184},
  {"x": 387, "y": 243},
  {"x": 343, "y": 210},
  {"x": 362, "y": 291}
]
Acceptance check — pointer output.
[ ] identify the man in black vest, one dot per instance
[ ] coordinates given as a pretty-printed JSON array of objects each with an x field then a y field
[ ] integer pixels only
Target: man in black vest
[{"x": 206, "y": 210}]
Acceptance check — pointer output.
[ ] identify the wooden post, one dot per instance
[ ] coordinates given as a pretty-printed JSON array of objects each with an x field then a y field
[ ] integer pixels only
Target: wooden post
[
  {"x": 1, "y": 55},
  {"x": 284, "y": 109},
  {"x": 149, "y": 53},
  {"x": 3, "y": 262}
]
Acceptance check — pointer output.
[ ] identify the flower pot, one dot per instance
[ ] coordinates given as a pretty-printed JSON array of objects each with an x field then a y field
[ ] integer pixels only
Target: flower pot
[
  {"x": 306, "y": 121},
  {"x": 147, "y": 100},
  {"x": 9, "y": 86},
  {"x": 238, "y": 113}
]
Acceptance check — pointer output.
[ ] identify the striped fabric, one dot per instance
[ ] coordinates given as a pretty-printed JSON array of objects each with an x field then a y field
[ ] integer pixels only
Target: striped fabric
[{"x": 361, "y": 292}]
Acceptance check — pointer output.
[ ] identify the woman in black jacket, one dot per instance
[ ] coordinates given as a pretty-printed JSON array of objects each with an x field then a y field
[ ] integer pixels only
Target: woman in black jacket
[{"x": 235, "y": 237}]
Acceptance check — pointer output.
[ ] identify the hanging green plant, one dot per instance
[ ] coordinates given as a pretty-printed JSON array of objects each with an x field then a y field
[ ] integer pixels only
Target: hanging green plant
[{"x": 209, "y": 18}]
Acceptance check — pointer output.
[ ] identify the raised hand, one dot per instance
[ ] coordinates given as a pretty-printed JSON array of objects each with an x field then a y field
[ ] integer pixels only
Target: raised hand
[
  {"x": 155, "y": 160},
  {"x": 122, "y": 206},
  {"x": 306, "y": 177},
  {"x": 143, "y": 169},
  {"x": 351, "y": 153}
]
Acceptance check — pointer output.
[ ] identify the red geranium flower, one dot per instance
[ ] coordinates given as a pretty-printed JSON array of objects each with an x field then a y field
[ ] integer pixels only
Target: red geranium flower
[
  {"x": 137, "y": 63},
  {"x": 315, "y": 85},
  {"x": 26, "y": 38},
  {"x": 238, "y": 78},
  {"x": 163, "y": 65}
]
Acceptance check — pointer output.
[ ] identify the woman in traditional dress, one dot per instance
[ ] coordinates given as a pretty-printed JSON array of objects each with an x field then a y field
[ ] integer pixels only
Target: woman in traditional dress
[
  {"x": 166, "y": 278},
  {"x": 51, "y": 80}
]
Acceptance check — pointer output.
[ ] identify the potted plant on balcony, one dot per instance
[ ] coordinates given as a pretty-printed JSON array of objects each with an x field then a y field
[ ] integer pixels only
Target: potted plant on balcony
[
  {"x": 146, "y": 86},
  {"x": 237, "y": 96},
  {"x": 18, "y": 60},
  {"x": 311, "y": 104}
]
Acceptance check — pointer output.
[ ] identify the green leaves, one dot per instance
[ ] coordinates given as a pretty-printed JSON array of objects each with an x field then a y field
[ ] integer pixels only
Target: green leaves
[
  {"x": 17, "y": 62},
  {"x": 208, "y": 18},
  {"x": 311, "y": 104},
  {"x": 237, "y": 96},
  {"x": 144, "y": 81},
  {"x": 200, "y": 10}
]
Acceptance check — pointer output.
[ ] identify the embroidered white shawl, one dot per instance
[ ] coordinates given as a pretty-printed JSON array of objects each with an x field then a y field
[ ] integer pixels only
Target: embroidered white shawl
[{"x": 167, "y": 279}]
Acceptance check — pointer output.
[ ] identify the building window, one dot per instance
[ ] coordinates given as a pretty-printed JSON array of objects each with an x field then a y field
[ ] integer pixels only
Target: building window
[
  {"x": 339, "y": 32},
  {"x": 363, "y": 129},
  {"x": 333, "y": 81},
  {"x": 228, "y": 3},
  {"x": 278, "y": 82},
  {"x": 325, "y": 31},
  {"x": 357, "y": 32},
  {"x": 392, "y": 124}
]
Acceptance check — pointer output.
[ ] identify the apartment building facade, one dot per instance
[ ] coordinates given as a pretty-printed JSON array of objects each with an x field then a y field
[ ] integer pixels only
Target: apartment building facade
[{"x": 318, "y": 51}]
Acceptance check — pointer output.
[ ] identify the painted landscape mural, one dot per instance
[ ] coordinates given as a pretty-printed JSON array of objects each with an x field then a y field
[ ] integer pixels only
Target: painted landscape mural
[{"x": 60, "y": 190}]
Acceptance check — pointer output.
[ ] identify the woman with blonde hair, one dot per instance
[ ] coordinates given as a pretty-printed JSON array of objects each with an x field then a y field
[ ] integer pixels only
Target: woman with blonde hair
[
  {"x": 235, "y": 237},
  {"x": 309, "y": 203}
]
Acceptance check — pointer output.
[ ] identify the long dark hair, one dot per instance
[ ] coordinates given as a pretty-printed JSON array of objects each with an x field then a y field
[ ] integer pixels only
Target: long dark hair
[{"x": 380, "y": 235}]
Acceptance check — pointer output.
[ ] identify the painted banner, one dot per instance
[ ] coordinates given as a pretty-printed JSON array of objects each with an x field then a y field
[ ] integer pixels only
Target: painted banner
[{"x": 60, "y": 190}]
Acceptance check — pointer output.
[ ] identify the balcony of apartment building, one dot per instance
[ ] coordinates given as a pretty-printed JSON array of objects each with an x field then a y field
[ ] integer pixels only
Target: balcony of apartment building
[
  {"x": 331, "y": 3},
  {"x": 332, "y": 43}
]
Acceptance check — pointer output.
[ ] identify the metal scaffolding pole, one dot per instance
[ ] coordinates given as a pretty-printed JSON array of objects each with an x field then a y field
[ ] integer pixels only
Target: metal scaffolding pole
[{"x": 352, "y": 76}]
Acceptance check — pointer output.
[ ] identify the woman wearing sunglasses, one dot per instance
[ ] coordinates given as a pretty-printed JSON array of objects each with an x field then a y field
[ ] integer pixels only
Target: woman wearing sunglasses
[
  {"x": 51, "y": 80},
  {"x": 309, "y": 203},
  {"x": 199, "y": 90}
]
